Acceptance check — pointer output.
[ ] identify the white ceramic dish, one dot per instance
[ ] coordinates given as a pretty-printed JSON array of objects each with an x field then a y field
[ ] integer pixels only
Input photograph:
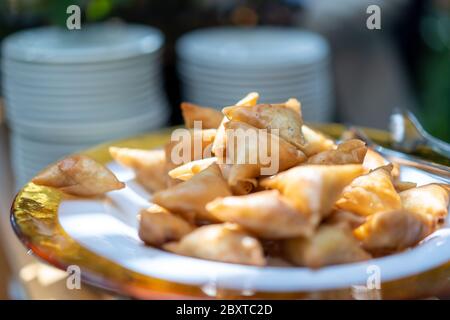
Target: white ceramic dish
[{"x": 109, "y": 228}]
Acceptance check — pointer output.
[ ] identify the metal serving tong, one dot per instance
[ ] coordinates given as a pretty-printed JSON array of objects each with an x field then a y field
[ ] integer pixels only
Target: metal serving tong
[
  {"x": 408, "y": 135},
  {"x": 404, "y": 159}
]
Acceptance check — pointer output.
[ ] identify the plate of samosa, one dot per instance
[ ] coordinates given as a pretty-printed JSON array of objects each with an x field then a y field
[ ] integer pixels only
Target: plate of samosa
[{"x": 201, "y": 212}]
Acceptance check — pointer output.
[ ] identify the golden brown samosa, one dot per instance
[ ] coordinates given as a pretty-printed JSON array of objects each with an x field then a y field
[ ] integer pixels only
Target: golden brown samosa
[
  {"x": 261, "y": 154},
  {"x": 401, "y": 186},
  {"x": 389, "y": 231},
  {"x": 158, "y": 226},
  {"x": 265, "y": 214},
  {"x": 347, "y": 152},
  {"x": 190, "y": 197},
  {"x": 241, "y": 187},
  {"x": 313, "y": 189},
  {"x": 149, "y": 165},
  {"x": 346, "y": 218},
  {"x": 195, "y": 145},
  {"x": 287, "y": 122},
  {"x": 218, "y": 147},
  {"x": 330, "y": 245},
  {"x": 373, "y": 160},
  {"x": 371, "y": 193},
  {"x": 210, "y": 118},
  {"x": 79, "y": 175},
  {"x": 315, "y": 142},
  {"x": 188, "y": 170},
  {"x": 430, "y": 199},
  {"x": 220, "y": 242}
]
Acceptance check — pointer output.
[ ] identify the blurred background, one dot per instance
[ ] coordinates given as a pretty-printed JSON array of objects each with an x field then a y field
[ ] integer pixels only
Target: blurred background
[{"x": 339, "y": 69}]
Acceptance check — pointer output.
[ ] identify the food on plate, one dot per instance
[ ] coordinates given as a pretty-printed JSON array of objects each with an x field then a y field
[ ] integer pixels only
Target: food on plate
[
  {"x": 313, "y": 189},
  {"x": 188, "y": 170},
  {"x": 279, "y": 117},
  {"x": 79, "y": 175},
  {"x": 240, "y": 187},
  {"x": 431, "y": 199},
  {"x": 149, "y": 165},
  {"x": 218, "y": 147},
  {"x": 183, "y": 148},
  {"x": 346, "y": 218},
  {"x": 189, "y": 198},
  {"x": 347, "y": 152},
  {"x": 329, "y": 245},
  {"x": 266, "y": 214},
  {"x": 274, "y": 149},
  {"x": 390, "y": 231},
  {"x": 220, "y": 242},
  {"x": 373, "y": 160},
  {"x": 158, "y": 226},
  {"x": 404, "y": 185},
  {"x": 371, "y": 193},
  {"x": 315, "y": 141},
  {"x": 256, "y": 186},
  {"x": 210, "y": 118}
]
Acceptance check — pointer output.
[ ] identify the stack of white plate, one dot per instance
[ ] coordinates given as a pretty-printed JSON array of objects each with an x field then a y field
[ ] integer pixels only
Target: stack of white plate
[
  {"x": 67, "y": 90},
  {"x": 218, "y": 66}
]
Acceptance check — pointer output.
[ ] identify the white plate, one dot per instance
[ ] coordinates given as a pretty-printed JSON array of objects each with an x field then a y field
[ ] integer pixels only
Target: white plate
[
  {"x": 310, "y": 88},
  {"x": 90, "y": 133},
  {"x": 113, "y": 98},
  {"x": 109, "y": 228},
  {"x": 250, "y": 47},
  {"x": 142, "y": 74},
  {"x": 80, "y": 68},
  {"x": 237, "y": 73},
  {"x": 99, "y": 42},
  {"x": 132, "y": 86}
]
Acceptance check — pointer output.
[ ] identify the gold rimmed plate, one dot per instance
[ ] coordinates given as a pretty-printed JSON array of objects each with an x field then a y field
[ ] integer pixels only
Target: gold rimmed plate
[{"x": 99, "y": 235}]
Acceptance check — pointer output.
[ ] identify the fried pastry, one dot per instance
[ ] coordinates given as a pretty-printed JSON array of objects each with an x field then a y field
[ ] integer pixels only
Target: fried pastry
[
  {"x": 373, "y": 160},
  {"x": 431, "y": 199},
  {"x": 265, "y": 214},
  {"x": 287, "y": 122},
  {"x": 158, "y": 226},
  {"x": 79, "y": 175},
  {"x": 190, "y": 197},
  {"x": 246, "y": 156},
  {"x": 218, "y": 147},
  {"x": 315, "y": 142},
  {"x": 313, "y": 189},
  {"x": 149, "y": 165},
  {"x": 197, "y": 145},
  {"x": 390, "y": 231},
  {"x": 347, "y": 152},
  {"x": 220, "y": 242},
  {"x": 241, "y": 187},
  {"x": 371, "y": 193},
  {"x": 346, "y": 218},
  {"x": 330, "y": 245},
  {"x": 209, "y": 117},
  {"x": 404, "y": 185},
  {"x": 188, "y": 170}
]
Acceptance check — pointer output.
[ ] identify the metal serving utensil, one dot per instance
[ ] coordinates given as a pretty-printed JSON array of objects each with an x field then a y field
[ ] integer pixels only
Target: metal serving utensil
[
  {"x": 442, "y": 171},
  {"x": 408, "y": 135}
]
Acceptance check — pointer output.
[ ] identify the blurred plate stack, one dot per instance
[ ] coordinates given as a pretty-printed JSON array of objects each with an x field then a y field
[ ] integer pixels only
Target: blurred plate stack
[
  {"x": 218, "y": 66},
  {"x": 67, "y": 90}
]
